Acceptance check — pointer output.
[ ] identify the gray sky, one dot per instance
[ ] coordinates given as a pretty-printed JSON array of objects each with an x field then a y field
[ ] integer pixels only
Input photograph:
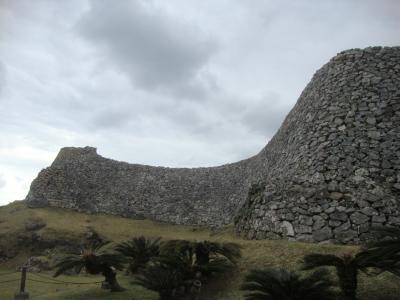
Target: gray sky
[{"x": 173, "y": 83}]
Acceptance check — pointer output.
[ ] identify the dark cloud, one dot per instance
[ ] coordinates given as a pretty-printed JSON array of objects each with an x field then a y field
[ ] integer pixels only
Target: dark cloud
[{"x": 154, "y": 49}]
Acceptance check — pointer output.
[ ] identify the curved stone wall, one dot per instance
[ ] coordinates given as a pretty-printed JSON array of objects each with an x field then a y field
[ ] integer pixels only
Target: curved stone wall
[
  {"x": 81, "y": 179},
  {"x": 334, "y": 165},
  {"x": 331, "y": 171}
]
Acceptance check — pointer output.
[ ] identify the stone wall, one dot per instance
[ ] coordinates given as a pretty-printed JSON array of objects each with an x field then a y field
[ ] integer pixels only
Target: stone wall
[
  {"x": 81, "y": 179},
  {"x": 334, "y": 165},
  {"x": 331, "y": 171}
]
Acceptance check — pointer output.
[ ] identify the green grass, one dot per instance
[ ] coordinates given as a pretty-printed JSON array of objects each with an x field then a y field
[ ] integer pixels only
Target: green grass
[
  {"x": 45, "y": 291},
  {"x": 65, "y": 224}
]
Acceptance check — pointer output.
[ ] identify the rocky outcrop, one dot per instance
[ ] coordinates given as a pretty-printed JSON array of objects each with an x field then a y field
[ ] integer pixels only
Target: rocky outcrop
[{"x": 331, "y": 171}]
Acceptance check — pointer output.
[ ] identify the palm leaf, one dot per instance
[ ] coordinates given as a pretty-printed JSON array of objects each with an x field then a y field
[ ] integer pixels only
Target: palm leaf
[
  {"x": 384, "y": 253},
  {"x": 312, "y": 261},
  {"x": 112, "y": 259},
  {"x": 95, "y": 259},
  {"x": 173, "y": 247},
  {"x": 216, "y": 266},
  {"x": 231, "y": 251},
  {"x": 160, "y": 279},
  {"x": 67, "y": 263},
  {"x": 279, "y": 284},
  {"x": 139, "y": 251},
  {"x": 316, "y": 286},
  {"x": 265, "y": 284}
]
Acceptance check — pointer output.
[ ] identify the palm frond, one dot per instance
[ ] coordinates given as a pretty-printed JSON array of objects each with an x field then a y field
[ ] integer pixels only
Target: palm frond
[
  {"x": 312, "y": 261},
  {"x": 95, "y": 259},
  {"x": 387, "y": 237},
  {"x": 139, "y": 251},
  {"x": 379, "y": 261},
  {"x": 96, "y": 246},
  {"x": 173, "y": 247},
  {"x": 67, "y": 263},
  {"x": 183, "y": 262},
  {"x": 393, "y": 232},
  {"x": 162, "y": 280},
  {"x": 384, "y": 253},
  {"x": 231, "y": 251},
  {"x": 115, "y": 260},
  {"x": 279, "y": 284},
  {"x": 263, "y": 284},
  {"x": 216, "y": 266},
  {"x": 134, "y": 247},
  {"x": 316, "y": 286}
]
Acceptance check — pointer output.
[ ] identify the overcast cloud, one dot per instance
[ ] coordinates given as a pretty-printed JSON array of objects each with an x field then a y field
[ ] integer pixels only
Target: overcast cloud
[
  {"x": 173, "y": 83},
  {"x": 2, "y": 181},
  {"x": 157, "y": 51},
  {"x": 2, "y": 76}
]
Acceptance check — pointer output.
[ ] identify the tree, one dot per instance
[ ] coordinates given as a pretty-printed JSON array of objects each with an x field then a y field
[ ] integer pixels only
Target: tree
[
  {"x": 280, "y": 284},
  {"x": 139, "y": 251},
  {"x": 96, "y": 259},
  {"x": 347, "y": 268}
]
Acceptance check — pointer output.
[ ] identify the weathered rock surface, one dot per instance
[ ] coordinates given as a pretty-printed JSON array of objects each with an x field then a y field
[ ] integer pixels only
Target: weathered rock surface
[{"x": 331, "y": 171}]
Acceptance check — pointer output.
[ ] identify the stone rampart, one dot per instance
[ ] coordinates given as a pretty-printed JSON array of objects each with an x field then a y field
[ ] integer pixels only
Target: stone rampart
[
  {"x": 333, "y": 168},
  {"x": 330, "y": 172},
  {"x": 82, "y": 180}
]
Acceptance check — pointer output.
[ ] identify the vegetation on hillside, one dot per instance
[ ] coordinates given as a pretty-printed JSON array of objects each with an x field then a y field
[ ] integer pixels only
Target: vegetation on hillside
[
  {"x": 62, "y": 230},
  {"x": 281, "y": 284},
  {"x": 386, "y": 250},
  {"x": 347, "y": 268},
  {"x": 183, "y": 267},
  {"x": 139, "y": 251},
  {"x": 96, "y": 259}
]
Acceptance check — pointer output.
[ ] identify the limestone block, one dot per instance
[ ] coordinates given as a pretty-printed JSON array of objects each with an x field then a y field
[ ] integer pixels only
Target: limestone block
[
  {"x": 359, "y": 218},
  {"x": 322, "y": 234}
]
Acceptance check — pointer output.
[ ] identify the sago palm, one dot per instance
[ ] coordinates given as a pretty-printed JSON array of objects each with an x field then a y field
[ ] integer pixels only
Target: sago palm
[
  {"x": 280, "y": 284},
  {"x": 203, "y": 250},
  {"x": 200, "y": 259},
  {"x": 347, "y": 268},
  {"x": 96, "y": 259},
  {"x": 195, "y": 262},
  {"x": 385, "y": 251},
  {"x": 167, "y": 282},
  {"x": 139, "y": 251}
]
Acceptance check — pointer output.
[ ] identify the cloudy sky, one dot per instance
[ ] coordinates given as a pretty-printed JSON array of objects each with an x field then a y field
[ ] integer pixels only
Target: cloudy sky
[{"x": 175, "y": 83}]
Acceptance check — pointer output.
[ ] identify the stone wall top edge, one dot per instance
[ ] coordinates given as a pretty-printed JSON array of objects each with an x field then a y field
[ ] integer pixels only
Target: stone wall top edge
[
  {"x": 341, "y": 57},
  {"x": 72, "y": 153}
]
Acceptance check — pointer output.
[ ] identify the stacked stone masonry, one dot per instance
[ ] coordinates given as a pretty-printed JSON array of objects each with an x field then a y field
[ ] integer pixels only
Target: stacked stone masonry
[
  {"x": 330, "y": 172},
  {"x": 82, "y": 180},
  {"x": 334, "y": 165}
]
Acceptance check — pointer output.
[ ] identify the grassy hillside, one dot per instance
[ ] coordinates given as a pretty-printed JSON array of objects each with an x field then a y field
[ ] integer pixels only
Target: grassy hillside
[{"x": 57, "y": 226}]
